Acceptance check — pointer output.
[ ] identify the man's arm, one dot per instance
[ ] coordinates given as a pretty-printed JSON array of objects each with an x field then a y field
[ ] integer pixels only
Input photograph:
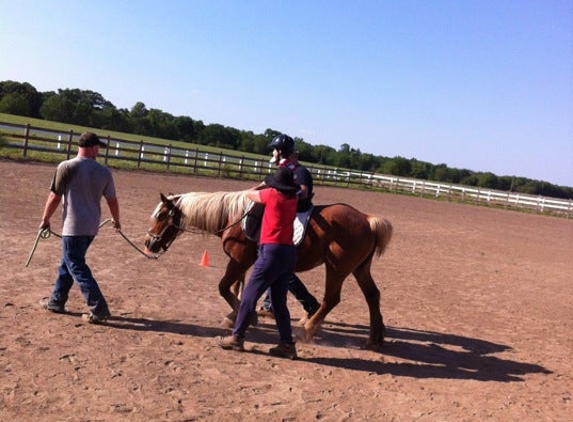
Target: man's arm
[
  {"x": 113, "y": 205},
  {"x": 303, "y": 192},
  {"x": 51, "y": 206},
  {"x": 254, "y": 195}
]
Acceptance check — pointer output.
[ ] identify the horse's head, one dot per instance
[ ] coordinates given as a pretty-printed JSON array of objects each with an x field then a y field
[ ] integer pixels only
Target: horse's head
[{"x": 165, "y": 226}]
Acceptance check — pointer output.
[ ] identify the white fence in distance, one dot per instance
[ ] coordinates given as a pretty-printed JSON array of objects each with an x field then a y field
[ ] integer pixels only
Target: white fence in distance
[{"x": 322, "y": 175}]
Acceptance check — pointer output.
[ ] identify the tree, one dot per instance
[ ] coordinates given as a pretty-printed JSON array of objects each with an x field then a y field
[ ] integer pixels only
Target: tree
[
  {"x": 185, "y": 128},
  {"x": 14, "y": 104},
  {"x": 221, "y": 136},
  {"x": 487, "y": 180},
  {"x": 20, "y": 93},
  {"x": 58, "y": 109},
  {"x": 137, "y": 118},
  {"x": 398, "y": 166},
  {"x": 420, "y": 170},
  {"x": 161, "y": 124}
]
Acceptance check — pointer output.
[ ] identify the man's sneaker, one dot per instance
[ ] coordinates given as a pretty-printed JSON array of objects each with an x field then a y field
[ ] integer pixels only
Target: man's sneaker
[
  {"x": 96, "y": 319},
  {"x": 284, "y": 350},
  {"x": 232, "y": 343},
  {"x": 52, "y": 307}
]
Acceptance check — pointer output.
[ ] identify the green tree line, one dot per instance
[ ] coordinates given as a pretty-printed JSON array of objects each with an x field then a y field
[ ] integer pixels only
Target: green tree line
[{"x": 89, "y": 108}]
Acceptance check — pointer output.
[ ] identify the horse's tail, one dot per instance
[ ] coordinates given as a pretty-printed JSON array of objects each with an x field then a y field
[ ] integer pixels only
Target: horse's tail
[{"x": 382, "y": 230}]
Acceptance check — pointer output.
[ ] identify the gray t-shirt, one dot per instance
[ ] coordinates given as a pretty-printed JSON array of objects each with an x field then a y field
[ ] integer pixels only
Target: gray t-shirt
[{"x": 82, "y": 182}]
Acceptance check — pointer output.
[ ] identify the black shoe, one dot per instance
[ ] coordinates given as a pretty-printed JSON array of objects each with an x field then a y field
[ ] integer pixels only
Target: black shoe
[{"x": 284, "y": 350}]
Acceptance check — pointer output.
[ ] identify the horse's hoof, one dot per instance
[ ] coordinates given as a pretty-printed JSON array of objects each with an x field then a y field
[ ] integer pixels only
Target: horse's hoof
[
  {"x": 302, "y": 335},
  {"x": 375, "y": 347},
  {"x": 227, "y": 322}
]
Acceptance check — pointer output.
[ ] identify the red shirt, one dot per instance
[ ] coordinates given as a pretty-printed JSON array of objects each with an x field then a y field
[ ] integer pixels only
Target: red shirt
[{"x": 280, "y": 212}]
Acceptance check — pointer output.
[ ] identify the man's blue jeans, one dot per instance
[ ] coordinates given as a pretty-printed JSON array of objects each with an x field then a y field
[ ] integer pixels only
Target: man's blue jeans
[{"x": 74, "y": 268}]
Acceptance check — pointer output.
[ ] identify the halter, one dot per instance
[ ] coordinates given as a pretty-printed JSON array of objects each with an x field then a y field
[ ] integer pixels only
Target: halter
[{"x": 173, "y": 215}]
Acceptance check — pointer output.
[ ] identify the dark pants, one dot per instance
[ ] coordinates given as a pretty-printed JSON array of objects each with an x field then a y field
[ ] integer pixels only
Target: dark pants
[
  {"x": 273, "y": 268},
  {"x": 300, "y": 292}
]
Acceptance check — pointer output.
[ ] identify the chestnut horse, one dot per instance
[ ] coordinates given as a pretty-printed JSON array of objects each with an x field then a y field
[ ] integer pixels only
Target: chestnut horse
[{"x": 342, "y": 238}]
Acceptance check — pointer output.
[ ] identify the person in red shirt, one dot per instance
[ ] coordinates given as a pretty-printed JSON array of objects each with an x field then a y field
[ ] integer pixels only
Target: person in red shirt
[
  {"x": 284, "y": 155},
  {"x": 274, "y": 265}
]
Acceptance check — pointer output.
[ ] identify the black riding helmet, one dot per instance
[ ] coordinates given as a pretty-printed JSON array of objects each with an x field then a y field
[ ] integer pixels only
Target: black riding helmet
[{"x": 283, "y": 143}]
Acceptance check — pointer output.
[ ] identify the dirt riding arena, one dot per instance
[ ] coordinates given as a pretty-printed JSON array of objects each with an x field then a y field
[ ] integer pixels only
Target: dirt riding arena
[{"x": 478, "y": 304}]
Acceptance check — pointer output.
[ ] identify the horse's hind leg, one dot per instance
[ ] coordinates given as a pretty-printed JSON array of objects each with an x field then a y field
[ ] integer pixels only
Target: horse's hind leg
[{"x": 372, "y": 295}]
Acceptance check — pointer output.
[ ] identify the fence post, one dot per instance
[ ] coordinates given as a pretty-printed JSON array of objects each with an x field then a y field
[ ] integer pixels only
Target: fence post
[
  {"x": 220, "y": 161},
  {"x": 70, "y": 140},
  {"x": 26, "y": 138},
  {"x": 107, "y": 149},
  {"x": 168, "y": 151},
  {"x": 195, "y": 161},
  {"x": 241, "y": 166},
  {"x": 541, "y": 203},
  {"x": 140, "y": 155}
]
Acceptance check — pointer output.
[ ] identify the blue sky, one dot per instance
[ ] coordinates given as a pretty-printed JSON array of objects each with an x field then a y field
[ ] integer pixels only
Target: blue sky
[{"x": 484, "y": 85}]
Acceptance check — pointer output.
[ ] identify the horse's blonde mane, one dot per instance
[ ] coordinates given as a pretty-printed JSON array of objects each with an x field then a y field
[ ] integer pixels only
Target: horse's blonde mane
[{"x": 211, "y": 211}]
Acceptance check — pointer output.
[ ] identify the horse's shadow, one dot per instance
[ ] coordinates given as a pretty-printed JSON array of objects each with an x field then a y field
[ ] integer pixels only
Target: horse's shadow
[
  {"x": 427, "y": 354},
  {"x": 419, "y": 354}
]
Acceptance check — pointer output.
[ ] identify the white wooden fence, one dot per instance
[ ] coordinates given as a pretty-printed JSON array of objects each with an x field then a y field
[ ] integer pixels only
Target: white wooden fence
[{"x": 48, "y": 141}]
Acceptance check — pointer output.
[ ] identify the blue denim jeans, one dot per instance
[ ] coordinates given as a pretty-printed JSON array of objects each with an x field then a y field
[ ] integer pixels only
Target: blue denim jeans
[
  {"x": 273, "y": 269},
  {"x": 74, "y": 268}
]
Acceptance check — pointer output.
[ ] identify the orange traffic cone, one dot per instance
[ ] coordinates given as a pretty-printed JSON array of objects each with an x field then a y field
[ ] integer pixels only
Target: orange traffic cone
[{"x": 205, "y": 259}]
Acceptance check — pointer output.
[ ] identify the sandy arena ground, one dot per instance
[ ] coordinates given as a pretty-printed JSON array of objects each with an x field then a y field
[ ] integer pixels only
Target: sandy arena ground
[{"x": 478, "y": 304}]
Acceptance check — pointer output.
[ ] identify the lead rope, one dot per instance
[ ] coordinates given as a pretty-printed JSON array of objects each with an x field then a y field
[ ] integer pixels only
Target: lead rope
[{"x": 45, "y": 234}]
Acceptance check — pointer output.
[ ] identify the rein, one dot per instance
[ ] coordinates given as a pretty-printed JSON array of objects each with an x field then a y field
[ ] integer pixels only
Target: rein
[{"x": 45, "y": 234}]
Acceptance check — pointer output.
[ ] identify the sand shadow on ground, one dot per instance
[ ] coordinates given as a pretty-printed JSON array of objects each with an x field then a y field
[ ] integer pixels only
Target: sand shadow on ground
[
  {"x": 418, "y": 353},
  {"x": 174, "y": 327},
  {"x": 426, "y": 354}
]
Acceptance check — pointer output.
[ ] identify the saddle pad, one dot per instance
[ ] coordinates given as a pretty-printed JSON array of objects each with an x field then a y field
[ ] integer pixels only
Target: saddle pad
[{"x": 300, "y": 222}]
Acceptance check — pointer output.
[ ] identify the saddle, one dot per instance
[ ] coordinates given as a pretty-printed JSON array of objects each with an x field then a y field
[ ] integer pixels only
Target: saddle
[{"x": 251, "y": 224}]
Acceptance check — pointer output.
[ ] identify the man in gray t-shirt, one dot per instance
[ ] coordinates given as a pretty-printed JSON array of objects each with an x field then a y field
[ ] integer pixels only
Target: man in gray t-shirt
[{"x": 81, "y": 182}]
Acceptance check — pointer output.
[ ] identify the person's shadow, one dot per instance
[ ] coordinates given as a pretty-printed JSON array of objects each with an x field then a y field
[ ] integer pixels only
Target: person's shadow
[{"x": 419, "y": 354}]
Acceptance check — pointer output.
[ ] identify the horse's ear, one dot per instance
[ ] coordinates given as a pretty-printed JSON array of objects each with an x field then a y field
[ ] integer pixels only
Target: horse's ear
[{"x": 168, "y": 203}]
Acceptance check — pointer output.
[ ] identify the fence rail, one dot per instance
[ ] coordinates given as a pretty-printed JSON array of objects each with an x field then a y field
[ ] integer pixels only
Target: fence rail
[{"x": 137, "y": 154}]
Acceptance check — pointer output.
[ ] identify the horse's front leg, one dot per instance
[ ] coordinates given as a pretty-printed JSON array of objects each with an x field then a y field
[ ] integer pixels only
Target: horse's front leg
[{"x": 228, "y": 289}]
